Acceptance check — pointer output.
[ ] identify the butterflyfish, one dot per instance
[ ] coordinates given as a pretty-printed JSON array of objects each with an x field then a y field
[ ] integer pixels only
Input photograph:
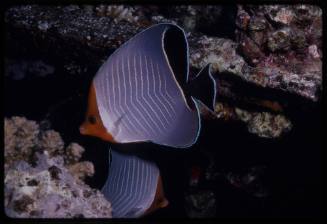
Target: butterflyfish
[
  {"x": 142, "y": 93},
  {"x": 134, "y": 186}
]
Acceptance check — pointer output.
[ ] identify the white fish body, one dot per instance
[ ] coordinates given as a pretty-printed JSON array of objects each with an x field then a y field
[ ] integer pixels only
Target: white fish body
[{"x": 138, "y": 96}]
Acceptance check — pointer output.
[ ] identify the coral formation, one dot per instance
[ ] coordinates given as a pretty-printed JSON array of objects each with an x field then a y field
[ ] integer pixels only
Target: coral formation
[
  {"x": 44, "y": 180},
  {"x": 73, "y": 153},
  {"x": 273, "y": 80},
  {"x": 52, "y": 142},
  {"x": 117, "y": 12},
  {"x": 218, "y": 51},
  {"x": 277, "y": 47},
  {"x": 82, "y": 169},
  {"x": 21, "y": 136},
  {"x": 282, "y": 42},
  {"x": 264, "y": 124}
]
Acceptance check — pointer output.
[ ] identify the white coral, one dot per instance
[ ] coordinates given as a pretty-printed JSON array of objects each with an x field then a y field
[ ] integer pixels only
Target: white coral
[
  {"x": 118, "y": 12},
  {"x": 50, "y": 188},
  {"x": 47, "y": 197}
]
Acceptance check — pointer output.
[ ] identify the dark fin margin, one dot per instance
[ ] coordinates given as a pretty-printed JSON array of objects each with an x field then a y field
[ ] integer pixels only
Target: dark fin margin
[{"x": 203, "y": 87}]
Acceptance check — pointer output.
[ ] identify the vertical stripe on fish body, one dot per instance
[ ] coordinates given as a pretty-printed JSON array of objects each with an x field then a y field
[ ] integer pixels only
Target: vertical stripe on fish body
[
  {"x": 132, "y": 185},
  {"x": 139, "y": 94}
]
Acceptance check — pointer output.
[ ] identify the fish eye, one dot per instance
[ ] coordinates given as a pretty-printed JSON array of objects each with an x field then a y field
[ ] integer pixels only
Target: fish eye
[{"x": 91, "y": 119}]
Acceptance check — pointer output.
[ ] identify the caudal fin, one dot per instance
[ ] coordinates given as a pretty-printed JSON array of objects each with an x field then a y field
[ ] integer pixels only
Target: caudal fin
[{"x": 203, "y": 87}]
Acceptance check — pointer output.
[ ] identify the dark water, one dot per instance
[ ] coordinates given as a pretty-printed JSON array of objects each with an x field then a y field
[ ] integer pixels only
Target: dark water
[{"x": 292, "y": 164}]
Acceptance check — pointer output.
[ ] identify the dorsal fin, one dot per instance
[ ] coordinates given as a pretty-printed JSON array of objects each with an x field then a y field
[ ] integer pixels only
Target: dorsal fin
[{"x": 176, "y": 49}]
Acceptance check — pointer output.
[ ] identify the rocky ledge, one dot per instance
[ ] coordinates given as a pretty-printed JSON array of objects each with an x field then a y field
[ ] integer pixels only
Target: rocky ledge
[{"x": 269, "y": 66}]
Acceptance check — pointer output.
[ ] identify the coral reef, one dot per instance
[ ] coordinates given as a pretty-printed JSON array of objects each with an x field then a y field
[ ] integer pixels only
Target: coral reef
[
  {"x": 278, "y": 47},
  {"x": 73, "y": 153},
  {"x": 82, "y": 170},
  {"x": 218, "y": 51},
  {"x": 44, "y": 180},
  {"x": 282, "y": 44},
  {"x": 208, "y": 20},
  {"x": 252, "y": 34},
  {"x": 21, "y": 136},
  {"x": 117, "y": 12},
  {"x": 264, "y": 124},
  {"x": 51, "y": 141},
  {"x": 267, "y": 62},
  {"x": 49, "y": 190}
]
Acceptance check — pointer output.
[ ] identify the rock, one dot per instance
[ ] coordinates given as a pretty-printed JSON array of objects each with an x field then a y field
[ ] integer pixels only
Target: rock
[
  {"x": 73, "y": 153},
  {"x": 280, "y": 14},
  {"x": 20, "y": 138},
  {"x": 242, "y": 18},
  {"x": 276, "y": 40},
  {"x": 40, "y": 193},
  {"x": 265, "y": 124},
  {"x": 298, "y": 39},
  {"x": 258, "y": 26},
  {"x": 279, "y": 40},
  {"x": 118, "y": 12},
  {"x": 251, "y": 52},
  {"x": 82, "y": 170},
  {"x": 81, "y": 29},
  {"x": 213, "y": 20},
  {"x": 52, "y": 142},
  {"x": 273, "y": 59},
  {"x": 259, "y": 38},
  {"x": 201, "y": 204},
  {"x": 38, "y": 181},
  {"x": 218, "y": 51},
  {"x": 313, "y": 51}
]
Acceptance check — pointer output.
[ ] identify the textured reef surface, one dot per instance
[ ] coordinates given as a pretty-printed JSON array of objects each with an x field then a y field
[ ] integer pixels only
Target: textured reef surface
[
  {"x": 43, "y": 179},
  {"x": 263, "y": 50},
  {"x": 283, "y": 44},
  {"x": 249, "y": 159}
]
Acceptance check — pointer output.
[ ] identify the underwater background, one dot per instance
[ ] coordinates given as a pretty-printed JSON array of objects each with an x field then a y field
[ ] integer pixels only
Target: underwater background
[{"x": 258, "y": 155}]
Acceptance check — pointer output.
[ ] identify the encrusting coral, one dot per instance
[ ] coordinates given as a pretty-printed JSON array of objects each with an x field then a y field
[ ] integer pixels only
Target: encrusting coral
[
  {"x": 263, "y": 124},
  {"x": 73, "y": 153},
  {"x": 51, "y": 141},
  {"x": 44, "y": 180},
  {"x": 21, "y": 137},
  {"x": 117, "y": 12}
]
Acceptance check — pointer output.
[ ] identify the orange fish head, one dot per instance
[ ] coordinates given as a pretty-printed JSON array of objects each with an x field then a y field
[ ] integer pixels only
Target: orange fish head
[{"x": 92, "y": 124}]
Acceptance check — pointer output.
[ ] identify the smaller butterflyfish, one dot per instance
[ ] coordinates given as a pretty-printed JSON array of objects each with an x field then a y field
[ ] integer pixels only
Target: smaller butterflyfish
[
  {"x": 142, "y": 93},
  {"x": 134, "y": 186}
]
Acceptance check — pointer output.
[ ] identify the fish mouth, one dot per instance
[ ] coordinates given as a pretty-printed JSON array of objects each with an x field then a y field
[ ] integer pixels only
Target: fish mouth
[{"x": 82, "y": 130}]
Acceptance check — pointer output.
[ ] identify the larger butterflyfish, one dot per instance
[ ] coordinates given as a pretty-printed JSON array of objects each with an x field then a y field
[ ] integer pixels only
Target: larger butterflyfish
[{"x": 143, "y": 93}]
